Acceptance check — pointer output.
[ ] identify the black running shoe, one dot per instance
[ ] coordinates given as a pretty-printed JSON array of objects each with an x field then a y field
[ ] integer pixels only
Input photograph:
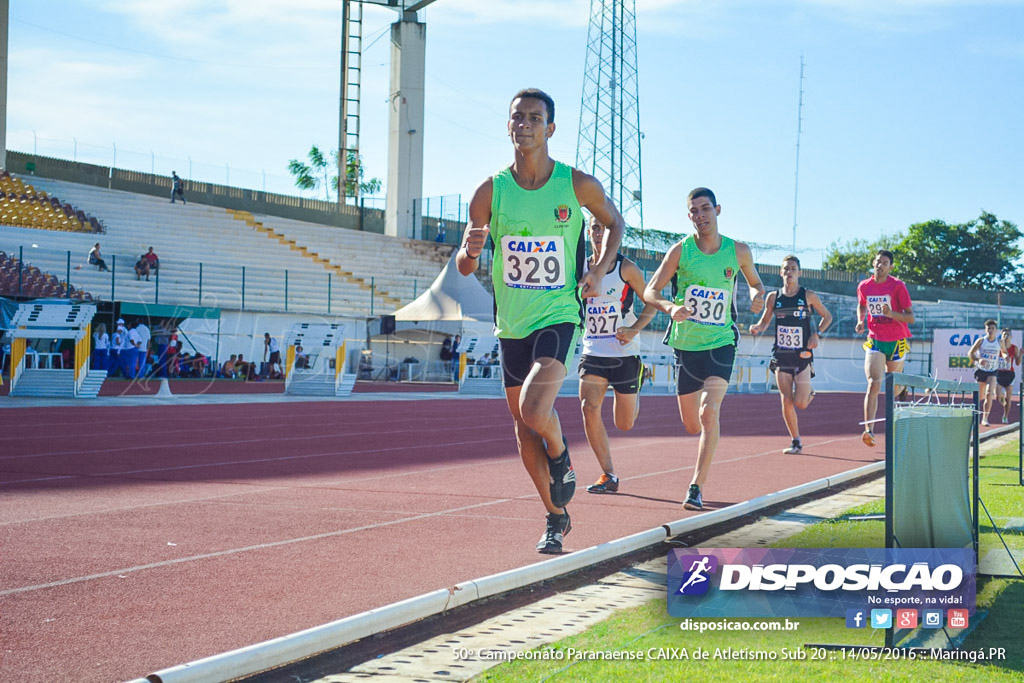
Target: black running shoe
[
  {"x": 795, "y": 449},
  {"x": 608, "y": 483},
  {"x": 562, "y": 478},
  {"x": 693, "y": 499},
  {"x": 557, "y": 527}
]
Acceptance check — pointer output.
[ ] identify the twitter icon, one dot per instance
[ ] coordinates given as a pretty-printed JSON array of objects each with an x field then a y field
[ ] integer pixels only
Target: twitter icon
[{"x": 881, "y": 618}]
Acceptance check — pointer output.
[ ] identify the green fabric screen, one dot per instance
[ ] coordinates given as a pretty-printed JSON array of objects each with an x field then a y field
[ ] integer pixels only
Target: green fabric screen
[{"x": 931, "y": 500}]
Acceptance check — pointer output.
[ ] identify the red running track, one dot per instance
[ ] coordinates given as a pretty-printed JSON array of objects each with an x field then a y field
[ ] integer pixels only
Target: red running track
[{"x": 138, "y": 538}]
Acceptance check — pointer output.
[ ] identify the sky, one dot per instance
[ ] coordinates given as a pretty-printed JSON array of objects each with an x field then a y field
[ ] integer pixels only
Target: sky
[{"x": 912, "y": 109}]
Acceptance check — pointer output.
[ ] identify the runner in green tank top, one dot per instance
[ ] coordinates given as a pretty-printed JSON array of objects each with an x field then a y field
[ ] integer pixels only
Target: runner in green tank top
[
  {"x": 703, "y": 268},
  {"x": 531, "y": 210}
]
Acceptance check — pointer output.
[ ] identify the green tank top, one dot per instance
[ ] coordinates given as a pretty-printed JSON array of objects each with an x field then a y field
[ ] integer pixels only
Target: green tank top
[
  {"x": 538, "y": 254},
  {"x": 707, "y": 284}
]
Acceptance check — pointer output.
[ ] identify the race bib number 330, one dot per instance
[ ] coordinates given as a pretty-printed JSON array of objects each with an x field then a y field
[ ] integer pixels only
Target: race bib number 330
[
  {"x": 533, "y": 262},
  {"x": 709, "y": 306}
]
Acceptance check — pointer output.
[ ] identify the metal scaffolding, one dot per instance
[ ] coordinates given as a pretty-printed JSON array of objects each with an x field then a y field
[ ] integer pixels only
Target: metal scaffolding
[{"x": 608, "y": 146}]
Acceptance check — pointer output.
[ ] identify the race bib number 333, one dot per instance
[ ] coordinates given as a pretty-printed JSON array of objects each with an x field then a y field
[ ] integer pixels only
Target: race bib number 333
[
  {"x": 709, "y": 306},
  {"x": 533, "y": 262}
]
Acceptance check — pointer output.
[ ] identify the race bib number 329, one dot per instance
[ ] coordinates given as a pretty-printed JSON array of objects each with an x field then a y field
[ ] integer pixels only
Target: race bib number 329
[
  {"x": 709, "y": 306},
  {"x": 533, "y": 262}
]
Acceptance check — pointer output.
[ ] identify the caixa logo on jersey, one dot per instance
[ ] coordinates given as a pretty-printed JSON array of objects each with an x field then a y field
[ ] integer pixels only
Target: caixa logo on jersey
[{"x": 816, "y": 582}]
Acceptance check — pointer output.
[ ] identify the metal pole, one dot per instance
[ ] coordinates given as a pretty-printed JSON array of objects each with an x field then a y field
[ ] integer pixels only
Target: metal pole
[
  {"x": 799, "y": 126},
  {"x": 113, "y": 269},
  {"x": 200, "y": 302},
  {"x": 67, "y": 276},
  {"x": 285, "y": 290},
  {"x": 243, "y": 288},
  {"x": 21, "y": 265},
  {"x": 976, "y": 448},
  {"x": 328, "y": 293},
  {"x": 343, "y": 106},
  {"x": 156, "y": 292},
  {"x": 890, "y": 469},
  {"x": 372, "y": 292}
]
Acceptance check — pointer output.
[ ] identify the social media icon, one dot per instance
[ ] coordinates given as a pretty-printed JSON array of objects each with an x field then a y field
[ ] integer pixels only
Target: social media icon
[
  {"x": 856, "y": 618},
  {"x": 881, "y": 618},
  {"x": 931, "y": 618},
  {"x": 958, "y": 618},
  {"x": 906, "y": 618}
]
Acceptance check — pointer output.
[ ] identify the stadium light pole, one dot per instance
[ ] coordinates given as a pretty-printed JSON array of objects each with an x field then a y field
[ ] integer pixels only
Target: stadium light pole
[{"x": 4, "y": 12}]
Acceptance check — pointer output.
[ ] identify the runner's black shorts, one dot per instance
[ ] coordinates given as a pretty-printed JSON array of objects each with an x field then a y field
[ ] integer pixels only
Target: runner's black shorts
[
  {"x": 694, "y": 367},
  {"x": 791, "y": 362},
  {"x": 275, "y": 357},
  {"x": 624, "y": 373},
  {"x": 1005, "y": 377},
  {"x": 984, "y": 375},
  {"x": 519, "y": 355}
]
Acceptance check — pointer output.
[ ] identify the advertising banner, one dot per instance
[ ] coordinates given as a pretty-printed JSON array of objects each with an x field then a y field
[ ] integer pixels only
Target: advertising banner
[{"x": 950, "y": 347}]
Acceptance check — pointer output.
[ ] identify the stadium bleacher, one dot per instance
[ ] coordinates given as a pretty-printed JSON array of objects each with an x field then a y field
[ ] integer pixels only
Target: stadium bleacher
[
  {"x": 22, "y": 205},
  {"x": 217, "y": 257}
]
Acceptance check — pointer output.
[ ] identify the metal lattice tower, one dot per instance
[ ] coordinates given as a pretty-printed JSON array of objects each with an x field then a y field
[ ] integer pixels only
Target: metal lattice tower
[{"x": 609, "y": 135}]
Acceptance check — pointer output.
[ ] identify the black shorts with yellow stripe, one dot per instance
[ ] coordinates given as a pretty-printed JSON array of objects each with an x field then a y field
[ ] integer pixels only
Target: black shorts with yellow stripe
[{"x": 624, "y": 373}]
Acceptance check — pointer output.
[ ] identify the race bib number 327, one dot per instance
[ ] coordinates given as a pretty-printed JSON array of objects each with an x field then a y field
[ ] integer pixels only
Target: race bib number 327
[{"x": 533, "y": 262}]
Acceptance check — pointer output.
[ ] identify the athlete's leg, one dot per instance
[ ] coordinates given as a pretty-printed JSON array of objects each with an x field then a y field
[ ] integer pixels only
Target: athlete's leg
[
  {"x": 592, "y": 392},
  {"x": 537, "y": 402},
  {"x": 625, "y": 408},
  {"x": 874, "y": 370},
  {"x": 786, "y": 385},
  {"x": 710, "y": 408},
  {"x": 531, "y": 444},
  {"x": 987, "y": 395}
]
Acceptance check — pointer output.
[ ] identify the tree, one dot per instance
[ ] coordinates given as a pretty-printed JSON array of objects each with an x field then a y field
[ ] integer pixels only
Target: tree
[
  {"x": 979, "y": 254},
  {"x": 856, "y": 255},
  {"x": 317, "y": 173},
  {"x": 306, "y": 176}
]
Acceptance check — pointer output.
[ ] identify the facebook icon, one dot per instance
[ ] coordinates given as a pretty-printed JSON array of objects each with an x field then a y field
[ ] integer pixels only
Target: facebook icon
[{"x": 856, "y": 618}]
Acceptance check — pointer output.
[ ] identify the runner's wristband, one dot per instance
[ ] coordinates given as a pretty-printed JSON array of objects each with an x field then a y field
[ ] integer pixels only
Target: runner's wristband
[{"x": 468, "y": 254}]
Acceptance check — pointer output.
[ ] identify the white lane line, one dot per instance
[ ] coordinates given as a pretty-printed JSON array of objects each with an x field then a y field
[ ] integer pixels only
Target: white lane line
[{"x": 260, "y": 546}]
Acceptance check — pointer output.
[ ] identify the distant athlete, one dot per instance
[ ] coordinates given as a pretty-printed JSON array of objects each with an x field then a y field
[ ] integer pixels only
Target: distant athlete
[
  {"x": 795, "y": 341},
  {"x": 531, "y": 210},
  {"x": 702, "y": 269},
  {"x": 611, "y": 355},
  {"x": 885, "y": 308},
  {"x": 985, "y": 352},
  {"x": 1007, "y": 372}
]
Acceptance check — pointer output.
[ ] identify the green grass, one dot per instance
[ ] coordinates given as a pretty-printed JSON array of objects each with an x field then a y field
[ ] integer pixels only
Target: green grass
[{"x": 649, "y": 627}]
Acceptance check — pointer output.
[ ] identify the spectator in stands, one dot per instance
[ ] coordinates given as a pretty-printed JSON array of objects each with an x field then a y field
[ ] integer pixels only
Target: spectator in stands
[
  {"x": 117, "y": 339},
  {"x": 177, "y": 188},
  {"x": 484, "y": 362},
  {"x": 301, "y": 359},
  {"x": 456, "y": 343},
  {"x": 144, "y": 338},
  {"x": 228, "y": 369},
  {"x": 153, "y": 260},
  {"x": 95, "y": 259},
  {"x": 244, "y": 368},
  {"x": 100, "y": 347},
  {"x": 271, "y": 346},
  {"x": 142, "y": 268}
]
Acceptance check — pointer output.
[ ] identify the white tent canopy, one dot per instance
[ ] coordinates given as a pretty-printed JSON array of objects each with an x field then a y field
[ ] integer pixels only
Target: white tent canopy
[
  {"x": 452, "y": 296},
  {"x": 453, "y": 304}
]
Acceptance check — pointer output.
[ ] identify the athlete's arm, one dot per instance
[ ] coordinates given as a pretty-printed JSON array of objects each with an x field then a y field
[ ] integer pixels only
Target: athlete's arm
[
  {"x": 906, "y": 314},
  {"x": 477, "y": 229},
  {"x": 824, "y": 314},
  {"x": 635, "y": 279},
  {"x": 862, "y": 309},
  {"x": 590, "y": 195},
  {"x": 973, "y": 353},
  {"x": 746, "y": 261},
  {"x": 662, "y": 276},
  {"x": 766, "y": 315}
]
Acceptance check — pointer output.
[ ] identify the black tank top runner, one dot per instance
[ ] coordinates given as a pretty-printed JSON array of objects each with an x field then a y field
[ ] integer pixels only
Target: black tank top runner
[{"x": 792, "y": 312}]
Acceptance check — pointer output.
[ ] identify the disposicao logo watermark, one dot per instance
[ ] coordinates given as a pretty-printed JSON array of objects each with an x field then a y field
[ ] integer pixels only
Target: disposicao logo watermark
[{"x": 809, "y": 582}]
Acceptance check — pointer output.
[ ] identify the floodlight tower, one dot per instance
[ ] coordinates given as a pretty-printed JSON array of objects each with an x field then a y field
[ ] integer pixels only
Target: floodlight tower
[
  {"x": 405, "y": 112},
  {"x": 608, "y": 146}
]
